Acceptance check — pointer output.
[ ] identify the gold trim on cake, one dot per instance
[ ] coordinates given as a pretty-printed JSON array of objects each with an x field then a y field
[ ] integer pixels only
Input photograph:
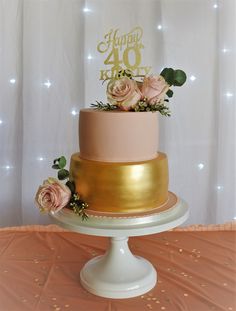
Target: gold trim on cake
[{"x": 121, "y": 187}]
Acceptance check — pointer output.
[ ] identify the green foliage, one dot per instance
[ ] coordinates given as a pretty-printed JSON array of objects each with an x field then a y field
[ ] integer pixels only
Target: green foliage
[
  {"x": 174, "y": 77},
  {"x": 71, "y": 186},
  {"x": 62, "y": 162},
  {"x": 105, "y": 107},
  {"x": 62, "y": 174},
  {"x": 179, "y": 77},
  {"x": 76, "y": 204},
  {"x": 160, "y": 107},
  {"x": 169, "y": 93}
]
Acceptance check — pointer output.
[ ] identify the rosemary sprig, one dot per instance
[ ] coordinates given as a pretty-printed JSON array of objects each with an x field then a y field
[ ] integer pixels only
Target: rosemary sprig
[
  {"x": 78, "y": 206},
  {"x": 105, "y": 107}
]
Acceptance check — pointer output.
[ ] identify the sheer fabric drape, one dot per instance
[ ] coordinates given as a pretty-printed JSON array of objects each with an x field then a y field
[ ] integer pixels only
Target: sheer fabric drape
[{"x": 49, "y": 70}]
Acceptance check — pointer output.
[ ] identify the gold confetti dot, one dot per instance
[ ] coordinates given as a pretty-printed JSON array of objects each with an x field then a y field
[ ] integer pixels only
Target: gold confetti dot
[
  {"x": 157, "y": 301},
  {"x": 5, "y": 271},
  {"x": 58, "y": 309},
  {"x": 149, "y": 298},
  {"x": 67, "y": 306},
  {"x": 55, "y": 306},
  {"x": 154, "y": 298},
  {"x": 150, "y": 294},
  {"x": 225, "y": 284},
  {"x": 180, "y": 250},
  {"x": 167, "y": 243},
  {"x": 163, "y": 290},
  {"x": 36, "y": 280},
  {"x": 176, "y": 240},
  {"x": 203, "y": 285},
  {"x": 24, "y": 300},
  {"x": 142, "y": 296},
  {"x": 54, "y": 298},
  {"x": 230, "y": 308},
  {"x": 36, "y": 296},
  {"x": 163, "y": 308},
  {"x": 185, "y": 295}
]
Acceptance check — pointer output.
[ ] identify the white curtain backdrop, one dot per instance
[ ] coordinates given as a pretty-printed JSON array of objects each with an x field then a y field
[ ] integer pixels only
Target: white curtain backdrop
[{"x": 49, "y": 70}]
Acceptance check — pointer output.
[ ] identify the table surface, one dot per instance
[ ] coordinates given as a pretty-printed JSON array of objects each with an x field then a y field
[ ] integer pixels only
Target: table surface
[{"x": 40, "y": 267}]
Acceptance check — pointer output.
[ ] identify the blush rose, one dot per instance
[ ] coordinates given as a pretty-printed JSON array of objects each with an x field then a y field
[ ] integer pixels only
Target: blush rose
[
  {"x": 154, "y": 88},
  {"x": 52, "y": 196},
  {"x": 123, "y": 93}
]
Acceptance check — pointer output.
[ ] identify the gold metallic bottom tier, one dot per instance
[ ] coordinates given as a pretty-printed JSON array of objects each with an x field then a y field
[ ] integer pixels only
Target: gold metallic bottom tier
[{"x": 121, "y": 187}]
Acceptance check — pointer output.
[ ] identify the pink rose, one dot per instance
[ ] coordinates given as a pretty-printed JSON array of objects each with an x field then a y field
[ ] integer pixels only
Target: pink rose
[
  {"x": 52, "y": 195},
  {"x": 123, "y": 93},
  {"x": 154, "y": 88}
]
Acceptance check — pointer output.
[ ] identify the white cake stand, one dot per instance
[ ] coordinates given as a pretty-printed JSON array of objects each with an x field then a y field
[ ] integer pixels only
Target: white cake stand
[{"x": 118, "y": 273}]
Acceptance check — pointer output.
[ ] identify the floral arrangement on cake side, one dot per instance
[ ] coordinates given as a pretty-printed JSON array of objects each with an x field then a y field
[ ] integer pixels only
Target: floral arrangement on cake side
[
  {"x": 53, "y": 194},
  {"x": 151, "y": 93}
]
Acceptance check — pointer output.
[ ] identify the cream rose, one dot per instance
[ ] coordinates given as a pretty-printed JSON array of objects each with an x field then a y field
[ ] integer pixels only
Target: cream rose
[
  {"x": 154, "y": 88},
  {"x": 52, "y": 195},
  {"x": 123, "y": 93}
]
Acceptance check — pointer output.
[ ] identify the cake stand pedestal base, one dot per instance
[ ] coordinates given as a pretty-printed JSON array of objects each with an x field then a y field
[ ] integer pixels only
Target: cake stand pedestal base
[{"x": 118, "y": 274}]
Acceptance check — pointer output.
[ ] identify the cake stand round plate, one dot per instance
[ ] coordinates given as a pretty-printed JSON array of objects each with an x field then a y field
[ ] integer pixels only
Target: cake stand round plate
[{"x": 119, "y": 273}]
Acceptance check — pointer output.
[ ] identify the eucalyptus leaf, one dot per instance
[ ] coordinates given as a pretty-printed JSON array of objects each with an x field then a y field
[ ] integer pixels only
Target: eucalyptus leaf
[
  {"x": 168, "y": 75},
  {"x": 56, "y": 160},
  {"x": 179, "y": 77},
  {"x": 169, "y": 93},
  {"x": 62, "y": 162},
  {"x": 63, "y": 174}
]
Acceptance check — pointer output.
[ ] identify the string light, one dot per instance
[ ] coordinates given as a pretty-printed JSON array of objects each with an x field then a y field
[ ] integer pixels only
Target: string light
[
  {"x": 200, "y": 166},
  {"x": 89, "y": 56},
  {"x": 12, "y": 81},
  {"x": 228, "y": 94},
  {"x": 40, "y": 158},
  {"x": 159, "y": 27},
  {"x": 215, "y": 6},
  {"x": 1, "y": 122},
  {"x": 86, "y": 10},
  {"x": 74, "y": 112},
  {"x": 219, "y": 187},
  {"x": 47, "y": 84},
  {"x": 192, "y": 78},
  {"x": 224, "y": 50}
]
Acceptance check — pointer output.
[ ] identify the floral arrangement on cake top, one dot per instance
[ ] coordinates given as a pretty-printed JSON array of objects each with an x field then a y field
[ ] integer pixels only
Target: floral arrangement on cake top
[
  {"x": 125, "y": 92},
  {"x": 54, "y": 195}
]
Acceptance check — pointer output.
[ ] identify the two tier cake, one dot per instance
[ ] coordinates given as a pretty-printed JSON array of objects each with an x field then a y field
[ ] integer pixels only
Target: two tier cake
[{"x": 118, "y": 168}]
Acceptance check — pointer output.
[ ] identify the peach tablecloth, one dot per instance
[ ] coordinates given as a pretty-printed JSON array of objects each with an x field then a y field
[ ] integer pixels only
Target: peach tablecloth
[{"x": 40, "y": 266}]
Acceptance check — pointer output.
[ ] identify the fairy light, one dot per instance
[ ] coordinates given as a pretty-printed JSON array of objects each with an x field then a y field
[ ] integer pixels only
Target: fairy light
[
  {"x": 89, "y": 57},
  {"x": 215, "y": 6},
  {"x": 192, "y": 78},
  {"x": 201, "y": 166},
  {"x": 228, "y": 94},
  {"x": 86, "y": 10},
  {"x": 74, "y": 112},
  {"x": 159, "y": 27},
  {"x": 12, "y": 81},
  {"x": 47, "y": 84},
  {"x": 40, "y": 158}
]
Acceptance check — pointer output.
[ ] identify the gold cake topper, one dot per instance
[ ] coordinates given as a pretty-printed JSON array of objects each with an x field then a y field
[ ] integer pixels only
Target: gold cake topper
[{"x": 124, "y": 52}]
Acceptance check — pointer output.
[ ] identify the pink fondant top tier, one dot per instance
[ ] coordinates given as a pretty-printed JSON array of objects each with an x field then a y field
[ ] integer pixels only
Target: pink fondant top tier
[{"x": 118, "y": 136}]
